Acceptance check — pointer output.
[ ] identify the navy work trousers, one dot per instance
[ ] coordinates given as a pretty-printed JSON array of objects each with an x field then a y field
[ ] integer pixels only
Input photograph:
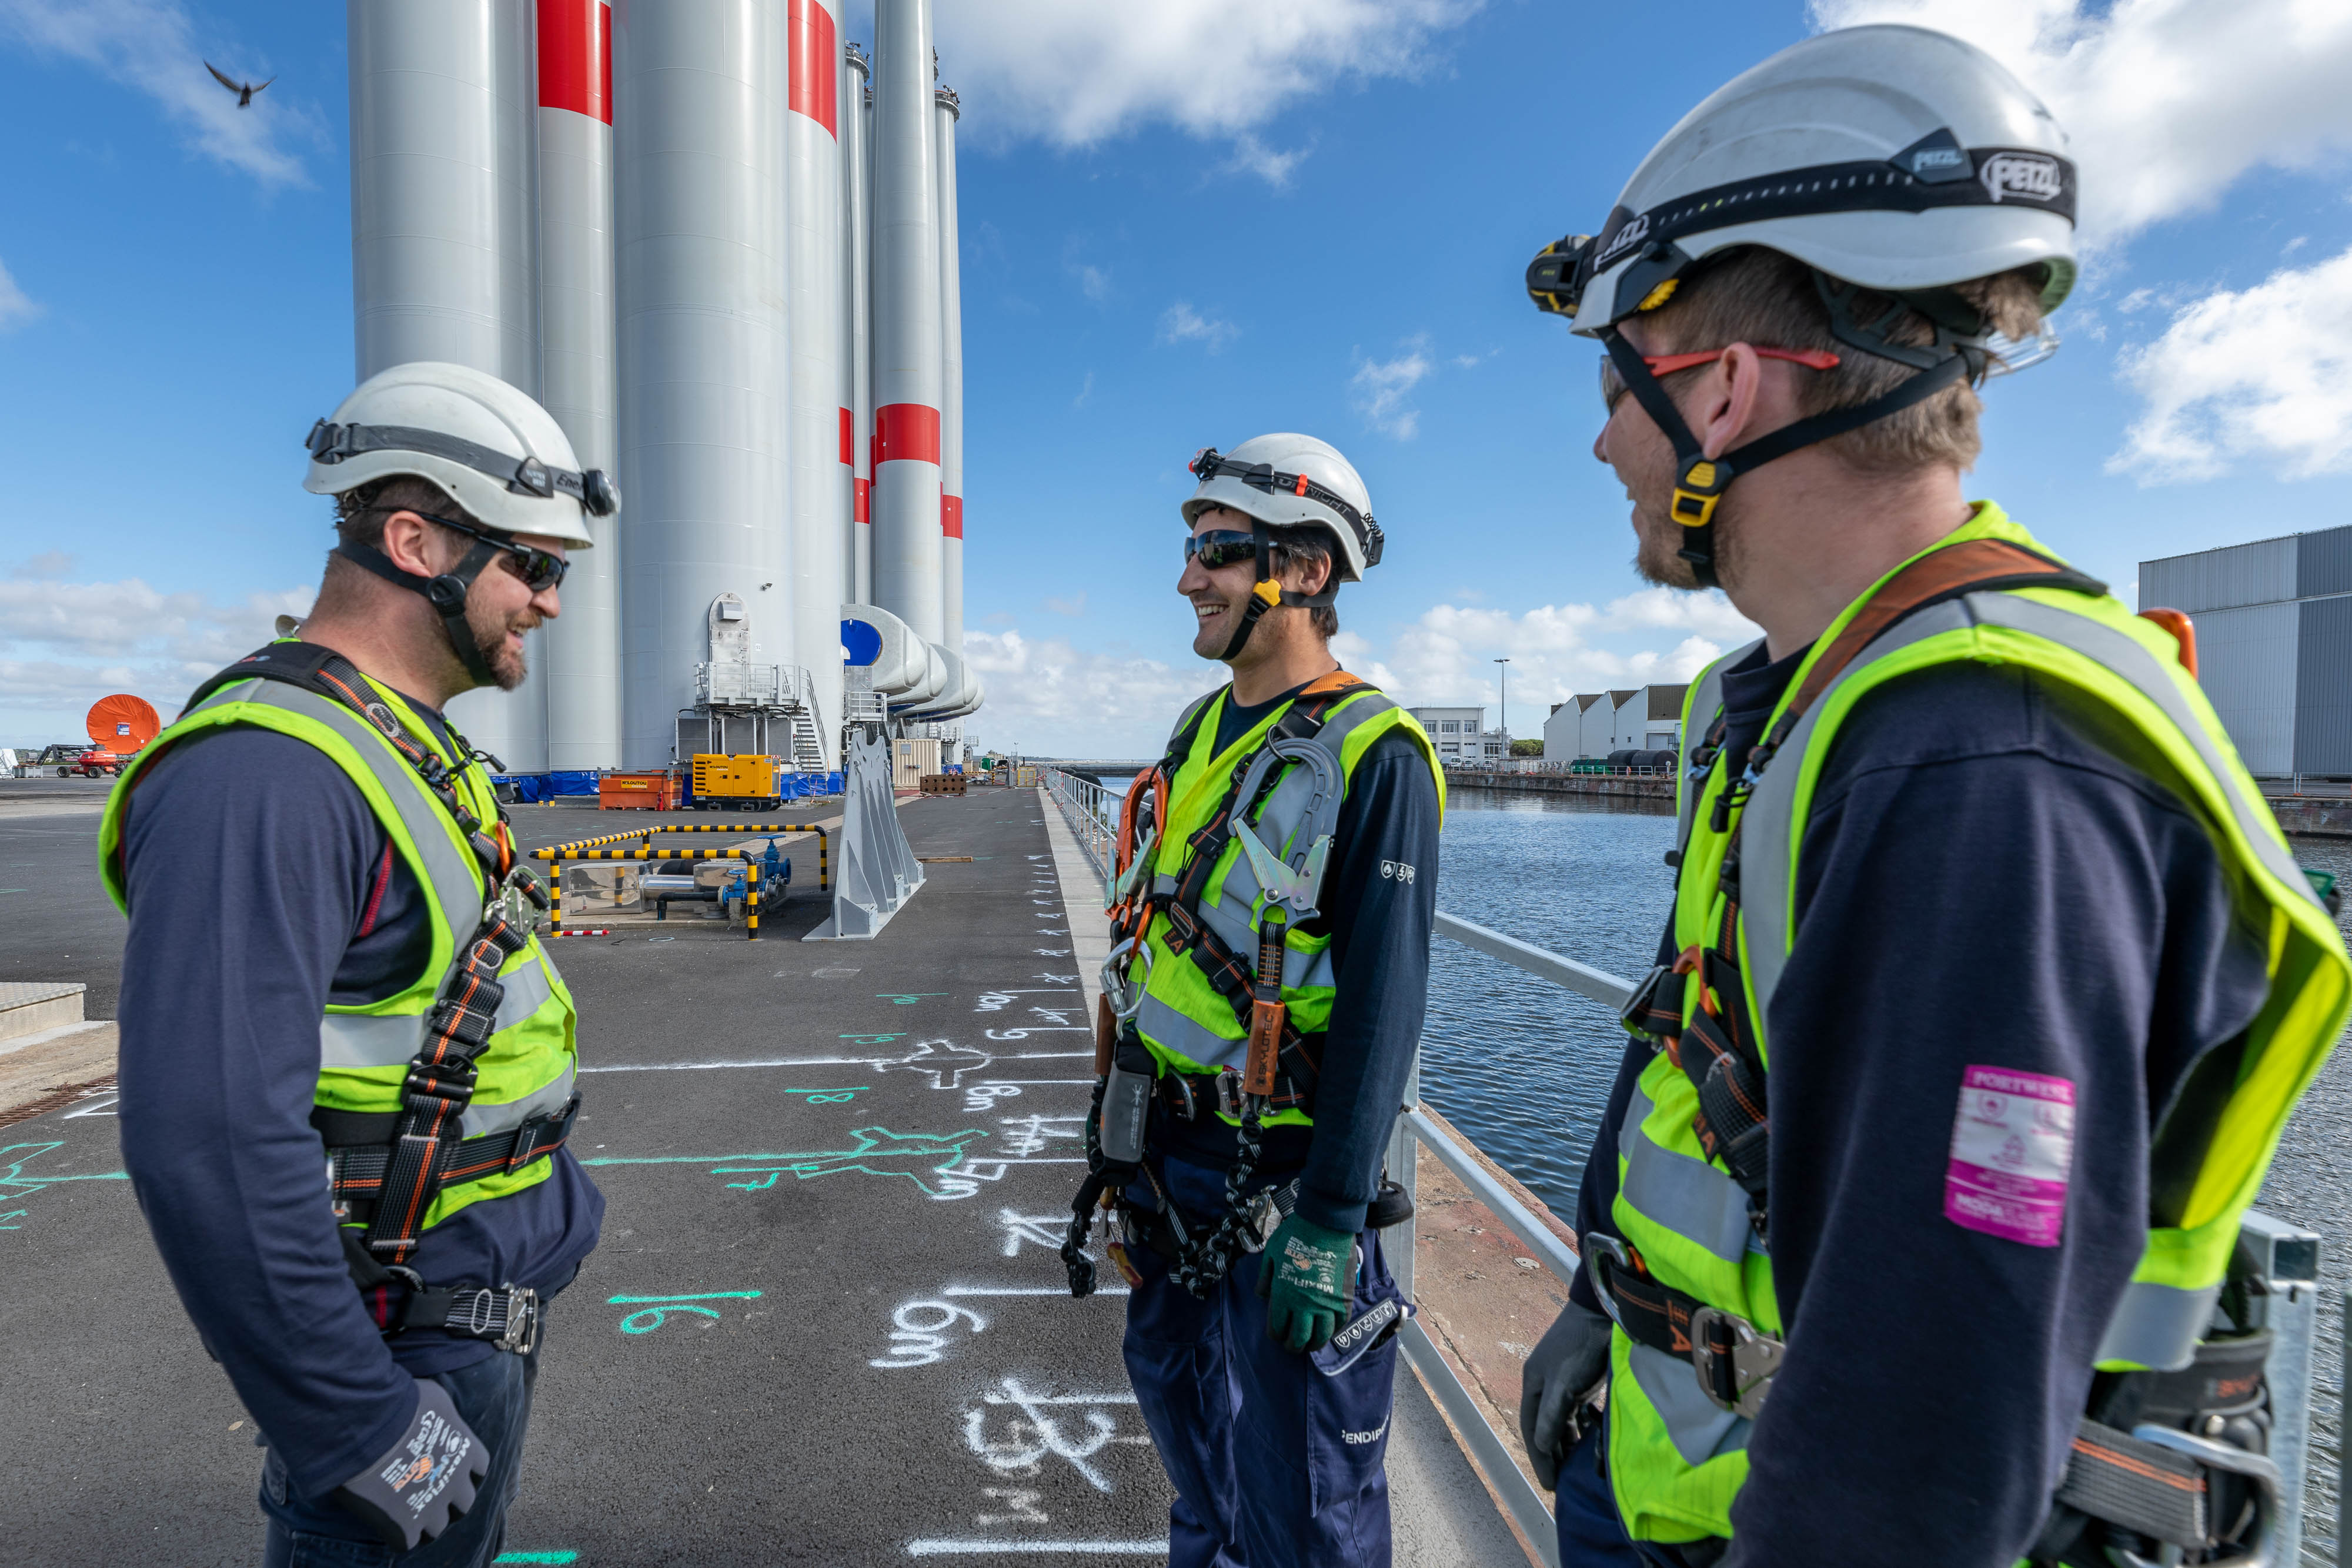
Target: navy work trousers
[
  {"x": 1275, "y": 1464},
  {"x": 1591, "y": 1532},
  {"x": 494, "y": 1399}
]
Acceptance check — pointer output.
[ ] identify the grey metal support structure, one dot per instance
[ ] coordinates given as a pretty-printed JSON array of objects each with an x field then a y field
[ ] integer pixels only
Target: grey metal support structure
[{"x": 877, "y": 870}]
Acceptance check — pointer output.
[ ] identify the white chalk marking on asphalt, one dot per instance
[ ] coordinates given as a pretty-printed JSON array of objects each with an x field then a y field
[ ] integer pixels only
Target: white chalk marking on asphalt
[
  {"x": 933, "y": 1547},
  {"x": 1026, "y": 1290}
]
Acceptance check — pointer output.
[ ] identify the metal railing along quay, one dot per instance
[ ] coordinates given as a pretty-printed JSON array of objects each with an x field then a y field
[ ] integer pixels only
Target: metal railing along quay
[{"x": 2285, "y": 1279}]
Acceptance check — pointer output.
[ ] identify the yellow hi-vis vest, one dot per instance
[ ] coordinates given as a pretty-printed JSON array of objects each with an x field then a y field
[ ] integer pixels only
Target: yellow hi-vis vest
[
  {"x": 1187, "y": 1024},
  {"x": 526, "y": 1067},
  {"x": 1677, "y": 1458}
]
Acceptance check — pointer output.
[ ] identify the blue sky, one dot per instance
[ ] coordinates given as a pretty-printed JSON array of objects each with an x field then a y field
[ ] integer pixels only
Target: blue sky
[{"x": 1166, "y": 249}]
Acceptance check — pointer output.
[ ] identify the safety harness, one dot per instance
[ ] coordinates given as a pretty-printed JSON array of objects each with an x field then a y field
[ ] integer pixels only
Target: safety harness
[
  {"x": 1282, "y": 1068},
  {"x": 387, "y": 1168},
  {"x": 2165, "y": 1486},
  {"x": 1268, "y": 593}
]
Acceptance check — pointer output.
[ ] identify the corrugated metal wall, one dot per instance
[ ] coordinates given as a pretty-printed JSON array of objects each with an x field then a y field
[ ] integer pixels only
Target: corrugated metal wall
[
  {"x": 2324, "y": 563},
  {"x": 2322, "y": 694},
  {"x": 2246, "y": 662},
  {"x": 2257, "y": 573}
]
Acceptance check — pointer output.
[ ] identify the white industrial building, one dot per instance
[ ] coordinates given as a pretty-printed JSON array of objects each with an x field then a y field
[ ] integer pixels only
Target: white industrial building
[
  {"x": 1591, "y": 725},
  {"x": 728, "y": 269},
  {"x": 2274, "y": 631},
  {"x": 1460, "y": 734}
]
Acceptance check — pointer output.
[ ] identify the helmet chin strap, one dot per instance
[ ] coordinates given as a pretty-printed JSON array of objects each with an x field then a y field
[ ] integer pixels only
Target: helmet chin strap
[
  {"x": 1700, "y": 480},
  {"x": 447, "y": 593},
  {"x": 1268, "y": 593}
]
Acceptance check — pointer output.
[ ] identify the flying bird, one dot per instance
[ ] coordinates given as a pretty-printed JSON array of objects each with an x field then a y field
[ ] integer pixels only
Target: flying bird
[{"x": 244, "y": 90}]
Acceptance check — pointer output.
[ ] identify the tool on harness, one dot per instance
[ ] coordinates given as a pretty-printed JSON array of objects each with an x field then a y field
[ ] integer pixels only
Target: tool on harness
[
  {"x": 1125, "y": 1103},
  {"x": 414, "y": 1491},
  {"x": 425, "y": 1148},
  {"x": 399, "y": 1300}
]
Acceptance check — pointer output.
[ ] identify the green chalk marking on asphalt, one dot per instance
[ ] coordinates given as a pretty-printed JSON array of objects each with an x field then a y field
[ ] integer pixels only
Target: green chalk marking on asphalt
[
  {"x": 648, "y": 1319},
  {"x": 878, "y": 1152},
  {"x": 537, "y": 1557},
  {"x": 694, "y": 1296}
]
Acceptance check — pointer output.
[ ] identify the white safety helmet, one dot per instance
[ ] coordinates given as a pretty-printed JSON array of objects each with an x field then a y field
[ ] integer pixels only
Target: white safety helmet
[
  {"x": 1291, "y": 481},
  {"x": 497, "y": 454},
  {"x": 1891, "y": 159}
]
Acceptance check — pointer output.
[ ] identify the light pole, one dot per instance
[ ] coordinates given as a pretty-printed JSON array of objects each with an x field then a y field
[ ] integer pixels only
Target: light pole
[{"x": 1504, "y": 706}]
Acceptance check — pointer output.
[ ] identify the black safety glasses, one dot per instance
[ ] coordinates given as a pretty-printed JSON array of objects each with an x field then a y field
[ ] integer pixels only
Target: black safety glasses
[
  {"x": 539, "y": 569},
  {"x": 1220, "y": 547}
]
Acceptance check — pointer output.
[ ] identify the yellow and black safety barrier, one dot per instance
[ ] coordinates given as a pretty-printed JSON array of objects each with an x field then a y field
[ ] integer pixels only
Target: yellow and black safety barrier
[{"x": 587, "y": 850}]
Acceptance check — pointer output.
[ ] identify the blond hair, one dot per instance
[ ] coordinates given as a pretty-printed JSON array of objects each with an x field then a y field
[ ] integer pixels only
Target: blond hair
[{"x": 1769, "y": 299}]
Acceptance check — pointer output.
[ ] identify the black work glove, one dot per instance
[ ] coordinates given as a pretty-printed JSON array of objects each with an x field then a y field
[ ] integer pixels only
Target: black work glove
[
  {"x": 412, "y": 1490},
  {"x": 1566, "y": 1364}
]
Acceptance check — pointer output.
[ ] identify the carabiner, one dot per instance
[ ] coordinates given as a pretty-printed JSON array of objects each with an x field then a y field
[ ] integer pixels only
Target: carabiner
[{"x": 1126, "y": 999}]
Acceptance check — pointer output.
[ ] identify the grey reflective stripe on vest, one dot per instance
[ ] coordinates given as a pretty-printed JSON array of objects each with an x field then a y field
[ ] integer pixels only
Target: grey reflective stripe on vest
[
  {"x": 1764, "y": 857},
  {"x": 1690, "y": 1197},
  {"x": 2158, "y": 1325},
  {"x": 1701, "y": 1429},
  {"x": 393, "y": 1040},
  {"x": 1172, "y": 1030},
  {"x": 455, "y": 881},
  {"x": 1705, "y": 701},
  {"x": 1767, "y": 818},
  {"x": 543, "y": 1101}
]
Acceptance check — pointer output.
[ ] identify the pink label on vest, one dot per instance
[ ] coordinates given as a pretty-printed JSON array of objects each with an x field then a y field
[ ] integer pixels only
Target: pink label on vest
[{"x": 2012, "y": 1144}]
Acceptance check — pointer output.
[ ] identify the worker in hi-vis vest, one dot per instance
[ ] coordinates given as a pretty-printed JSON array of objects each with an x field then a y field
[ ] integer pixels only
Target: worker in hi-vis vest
[
  {"x": 1274, "y": 887},
  {"x": 347, "y": 1063},
  {"x": 1990, "y": 979}
]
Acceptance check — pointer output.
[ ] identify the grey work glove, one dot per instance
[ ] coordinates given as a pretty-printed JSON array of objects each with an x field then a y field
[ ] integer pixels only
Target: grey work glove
[
  {"x": 1566, "y": 1364},
  {"x": 412, "y": 1490}
]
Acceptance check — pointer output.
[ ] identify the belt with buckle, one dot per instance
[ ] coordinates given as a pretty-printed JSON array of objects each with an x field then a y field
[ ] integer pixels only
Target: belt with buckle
[{"x": 1735, "y": 1360}]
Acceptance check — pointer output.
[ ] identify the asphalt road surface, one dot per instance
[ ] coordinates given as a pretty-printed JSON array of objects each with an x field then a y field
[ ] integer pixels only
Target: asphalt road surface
[{"x": 827, "y": 1324}]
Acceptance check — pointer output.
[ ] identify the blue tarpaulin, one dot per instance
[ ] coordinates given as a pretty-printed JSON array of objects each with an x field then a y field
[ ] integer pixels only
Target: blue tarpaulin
[{"x": 530, "y": 789}]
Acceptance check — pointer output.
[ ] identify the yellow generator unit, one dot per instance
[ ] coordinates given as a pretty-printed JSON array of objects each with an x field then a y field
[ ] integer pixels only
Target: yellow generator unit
[{"x": 735, "y": 782}]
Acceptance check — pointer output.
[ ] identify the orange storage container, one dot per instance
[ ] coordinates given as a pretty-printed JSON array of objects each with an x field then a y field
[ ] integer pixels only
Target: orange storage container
[{"x": 656, "y": 791}]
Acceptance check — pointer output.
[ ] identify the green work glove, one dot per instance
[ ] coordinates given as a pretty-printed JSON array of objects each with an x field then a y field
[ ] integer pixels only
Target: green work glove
[{"x": 1304, "y": 1277}]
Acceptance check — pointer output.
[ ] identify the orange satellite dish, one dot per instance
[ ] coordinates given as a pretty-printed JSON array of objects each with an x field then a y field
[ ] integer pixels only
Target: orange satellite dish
[{"x": 121, "y": 723}]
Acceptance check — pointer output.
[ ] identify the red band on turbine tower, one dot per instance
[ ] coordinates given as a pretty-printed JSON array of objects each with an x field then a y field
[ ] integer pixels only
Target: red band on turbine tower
[
  {"x": 848, "y": 438},
  {"x": 817, "y": 63},
  {"x": 863, "y": 501},
  {"x": 951, "y": 517},
  {"x": 576, "y": 57},
  {"x": 906, "y": 433}
]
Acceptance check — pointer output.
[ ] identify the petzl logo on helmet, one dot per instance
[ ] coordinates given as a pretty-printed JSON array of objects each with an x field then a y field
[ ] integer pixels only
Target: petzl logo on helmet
[{"x": 2027, "y": 175}]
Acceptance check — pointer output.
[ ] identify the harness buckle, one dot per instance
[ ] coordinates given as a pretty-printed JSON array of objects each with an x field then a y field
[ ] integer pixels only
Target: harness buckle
[
  {"x": 1229, "y": 1091},
  {"x": 522, "y": 1321},
  {"x": 1734, "y": 1361},
  {"x": 452, "y": 1080}
]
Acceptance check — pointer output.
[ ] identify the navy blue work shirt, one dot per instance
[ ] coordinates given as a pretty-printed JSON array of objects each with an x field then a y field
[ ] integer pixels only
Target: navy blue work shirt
[
  {"x": 262, "y": 888},
  {"x": 1993, "y": 875},
  {"x": 1379, "y": 902}
]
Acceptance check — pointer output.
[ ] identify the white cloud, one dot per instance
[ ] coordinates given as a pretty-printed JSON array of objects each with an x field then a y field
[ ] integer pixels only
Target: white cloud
[
  {"x": 1085, "y": 393},
  {"x": 1053, "y": 700},
  {"x": 150, "y": 46},
  {"x": 1252, "y": 156},
  {"x": 65, "y": 645},
  {"x": 1179, "y": 323},
  {"x": 1075, "y": 72},
  {"x": 2263, "y": 374},
  {"x": 2167, "y": 101},
  {"x": 1381, "y": 387},
  {"x": 1447, "y": 655},
  {"x": 15, "y": 306},
  {"x": 1093, "y": 282}
]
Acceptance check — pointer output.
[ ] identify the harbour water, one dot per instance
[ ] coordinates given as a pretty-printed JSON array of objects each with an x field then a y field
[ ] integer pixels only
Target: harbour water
[{"x": 1524, "y": 1067}]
